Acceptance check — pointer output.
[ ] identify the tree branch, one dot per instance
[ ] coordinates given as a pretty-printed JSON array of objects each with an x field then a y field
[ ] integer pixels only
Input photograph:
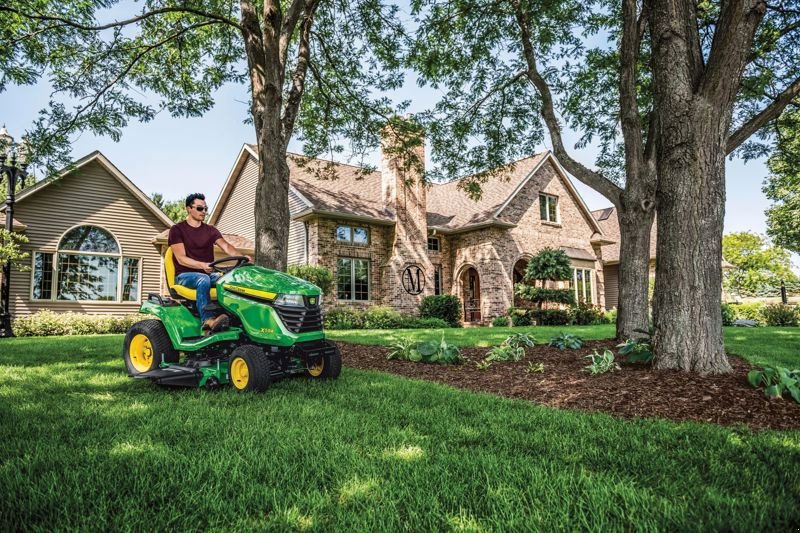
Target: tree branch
[
  {"x": 766, "y": 115},
  {"x": 64, "y": 22},
  {"x": 630, "y": 120},
  {"x": 591, "y": 178},
  {"x": 287, "y": 28},
  {"x": 299, "y": 78}
]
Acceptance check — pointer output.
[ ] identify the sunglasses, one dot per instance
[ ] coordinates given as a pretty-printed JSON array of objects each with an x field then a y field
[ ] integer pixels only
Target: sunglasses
[{"x": 200, "y": 208}]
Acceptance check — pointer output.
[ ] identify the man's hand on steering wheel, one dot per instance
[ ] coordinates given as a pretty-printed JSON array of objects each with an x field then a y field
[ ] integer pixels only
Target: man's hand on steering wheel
[{"x": 240, "y": 260}]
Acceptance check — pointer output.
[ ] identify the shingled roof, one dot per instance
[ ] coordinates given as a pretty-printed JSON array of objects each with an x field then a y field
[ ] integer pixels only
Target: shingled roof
[
  {"x": 450, "y": 208},
  {"x": 339, "y": 189}
]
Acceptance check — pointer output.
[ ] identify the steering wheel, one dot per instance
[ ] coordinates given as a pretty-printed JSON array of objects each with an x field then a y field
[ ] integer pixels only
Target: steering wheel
[{"x": 240, "y": 260}]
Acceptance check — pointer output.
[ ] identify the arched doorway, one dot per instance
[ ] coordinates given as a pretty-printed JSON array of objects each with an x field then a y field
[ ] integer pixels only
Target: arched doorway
[{"x": 471, "y": 295}]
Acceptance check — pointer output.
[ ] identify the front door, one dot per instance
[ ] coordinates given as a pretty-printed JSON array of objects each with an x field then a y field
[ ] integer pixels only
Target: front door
[{"x": 472, "y": 296}]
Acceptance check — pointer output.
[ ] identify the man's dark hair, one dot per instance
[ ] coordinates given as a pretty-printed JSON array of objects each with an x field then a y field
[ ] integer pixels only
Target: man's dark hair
[{"x": 194, "y": 196}]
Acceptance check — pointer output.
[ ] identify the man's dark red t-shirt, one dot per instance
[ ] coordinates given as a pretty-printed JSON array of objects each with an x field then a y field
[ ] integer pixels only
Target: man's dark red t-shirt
[{"x": 198, "y": 242}]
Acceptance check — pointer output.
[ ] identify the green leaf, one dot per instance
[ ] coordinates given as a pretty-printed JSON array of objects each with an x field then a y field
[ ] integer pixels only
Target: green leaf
[
  {"x": 428, "y": 348},
  {"x": 415, "y": 356},
  {"x": 754, "y": 377},
  {"x": 773, "y": 391}
]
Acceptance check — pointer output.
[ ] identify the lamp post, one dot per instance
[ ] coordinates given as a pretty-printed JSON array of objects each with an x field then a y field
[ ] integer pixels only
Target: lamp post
[{"x": 14, "y": 171}]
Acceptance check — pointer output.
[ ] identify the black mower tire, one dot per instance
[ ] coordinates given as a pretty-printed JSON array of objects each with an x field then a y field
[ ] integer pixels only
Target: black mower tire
[
  {"x": 249, "y": 369},
  {"x": 331, "y": 366},
  {"x": 146, "y": 345}
]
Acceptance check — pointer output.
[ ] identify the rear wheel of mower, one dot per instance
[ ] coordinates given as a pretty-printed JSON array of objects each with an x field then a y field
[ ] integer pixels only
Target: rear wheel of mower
[
  {"x": 146, "y": 345},
  {"x": 249, "y": 369},
  {"x": 326, "y": 366}
]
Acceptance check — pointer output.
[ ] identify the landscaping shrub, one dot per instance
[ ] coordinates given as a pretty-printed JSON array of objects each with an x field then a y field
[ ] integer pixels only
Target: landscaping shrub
[
  {"x": 636, "y": 350},
  {"x": 382, "y": 317},
  {"x": 728, "y": 315},
  {"x": 46, "y": 323},
  {"x": 562, "y": 341},
  {"x": 610, "y": 316},
  {"x": 549, "y": 317},
  {"x": 776, "y": 381},
  {"x": 320, "y": 276},
  {"x": 520, "y": 317},
  {"x": 749, "y": 311},
  {"x": 444, "y": 306},
  {"x": 780, "y": 315},
  {"x": 342, "y": 317},
  {"x": 585, "y": 314},
  {"x": 500, "y": 321}
]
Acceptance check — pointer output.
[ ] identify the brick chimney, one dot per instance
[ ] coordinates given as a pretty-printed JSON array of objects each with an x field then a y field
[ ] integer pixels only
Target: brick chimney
[{"x": 408, "y": 270}]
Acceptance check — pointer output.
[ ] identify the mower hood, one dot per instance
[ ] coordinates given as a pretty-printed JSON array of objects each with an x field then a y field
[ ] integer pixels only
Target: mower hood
[{"x": 265, "y": 283}]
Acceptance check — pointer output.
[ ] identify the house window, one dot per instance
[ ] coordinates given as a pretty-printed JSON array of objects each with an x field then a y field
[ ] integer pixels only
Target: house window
[
  {"x": 42, "y": 276},
  {"x": 433, "y": 244},
  {"x": 352, "y": 235},
  {"x": 583, "y": 281},
  {"x": 88, "y": 266},
  {"x": 437, "y": 280},
  {"x": 548, "y": 207},
  {"x": 352, "y": 279}
]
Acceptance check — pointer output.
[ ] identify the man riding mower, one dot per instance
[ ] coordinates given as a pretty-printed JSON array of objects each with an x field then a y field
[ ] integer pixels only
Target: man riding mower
[{"x": 275, "y": 330}]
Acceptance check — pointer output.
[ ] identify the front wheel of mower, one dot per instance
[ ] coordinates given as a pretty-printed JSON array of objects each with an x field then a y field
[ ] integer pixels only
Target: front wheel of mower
[
  {"x": 327, "y": 366},
  {"x": 146, "y": 346},
  {"x": 249, "y": 369}
]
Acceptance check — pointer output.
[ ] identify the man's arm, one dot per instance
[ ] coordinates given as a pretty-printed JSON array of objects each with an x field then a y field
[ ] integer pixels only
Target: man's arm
[
  {"x": 179, "y": 251},
  {"x": 230, "y": 249}
]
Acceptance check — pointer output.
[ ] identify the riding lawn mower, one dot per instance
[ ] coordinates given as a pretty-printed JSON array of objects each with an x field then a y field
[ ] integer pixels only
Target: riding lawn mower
[{"x": 275, "y": 331}]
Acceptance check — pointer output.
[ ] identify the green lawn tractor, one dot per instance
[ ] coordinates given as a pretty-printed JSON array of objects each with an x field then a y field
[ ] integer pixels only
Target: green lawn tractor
[{"x": 275, "y": 330}]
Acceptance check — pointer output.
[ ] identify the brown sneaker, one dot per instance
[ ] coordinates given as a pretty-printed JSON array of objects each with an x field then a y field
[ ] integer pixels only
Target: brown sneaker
[{"x": 215, "y": 324}]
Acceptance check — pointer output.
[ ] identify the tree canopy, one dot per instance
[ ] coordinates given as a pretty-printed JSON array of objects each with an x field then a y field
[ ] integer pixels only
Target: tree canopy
[
  {"x": 757, "y": 264},
  {"x": 783, "y": 184},
  {"x": 174, "y": 209}
]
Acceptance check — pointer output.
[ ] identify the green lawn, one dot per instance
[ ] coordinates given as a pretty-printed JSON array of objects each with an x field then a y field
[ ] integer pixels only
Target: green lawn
[
  {"x": 776, "y": 346},
  {"x": 86, "y": 447}
]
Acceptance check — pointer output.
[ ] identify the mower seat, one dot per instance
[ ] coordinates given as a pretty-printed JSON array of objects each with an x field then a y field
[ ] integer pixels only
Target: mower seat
[{"x": 179, "y": 291}]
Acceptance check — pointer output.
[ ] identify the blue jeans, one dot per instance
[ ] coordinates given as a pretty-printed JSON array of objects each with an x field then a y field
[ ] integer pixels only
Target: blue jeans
[{"x": 202, "y": 284}]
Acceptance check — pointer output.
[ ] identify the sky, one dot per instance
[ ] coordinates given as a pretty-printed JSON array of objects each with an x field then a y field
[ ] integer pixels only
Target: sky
[{"x": 178, "y": 156}]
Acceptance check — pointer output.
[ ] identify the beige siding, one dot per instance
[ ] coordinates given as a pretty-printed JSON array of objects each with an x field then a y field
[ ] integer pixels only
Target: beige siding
[
  {"x": 88, "y": 196},
  {"x": 237, "y": 216},
  {"x": 297, "y": 233},
  {"x": 612, "y": 285}
]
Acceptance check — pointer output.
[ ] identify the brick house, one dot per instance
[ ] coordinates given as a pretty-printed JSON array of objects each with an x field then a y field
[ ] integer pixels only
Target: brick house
[{"x": 391, "y": 240}]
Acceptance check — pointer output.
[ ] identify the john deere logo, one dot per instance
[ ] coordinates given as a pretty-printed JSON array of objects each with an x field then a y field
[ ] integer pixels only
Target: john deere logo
[
  {"x": 312, "y": 301},
  {"x": 413, "y": 279}
]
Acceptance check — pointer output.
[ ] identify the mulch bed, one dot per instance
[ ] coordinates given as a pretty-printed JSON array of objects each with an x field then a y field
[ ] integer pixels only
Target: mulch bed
[{"x": 634, "y": 391}]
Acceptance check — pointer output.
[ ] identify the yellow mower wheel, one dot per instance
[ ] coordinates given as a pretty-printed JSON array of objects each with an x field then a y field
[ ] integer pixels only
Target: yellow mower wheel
[
  {"x": 249, "y": 369},
  {"x": 146, "y": 346}
]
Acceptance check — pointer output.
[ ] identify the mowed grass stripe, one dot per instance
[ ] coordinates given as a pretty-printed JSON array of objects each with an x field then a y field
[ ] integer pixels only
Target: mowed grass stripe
[{"x": 86, "y": 447}]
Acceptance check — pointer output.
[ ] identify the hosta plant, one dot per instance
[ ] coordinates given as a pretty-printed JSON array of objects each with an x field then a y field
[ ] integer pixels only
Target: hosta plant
[
  {"x": 520, "y": 340},
  {"x": 483, "y": 365},
  {"x": 535, "y": 368},
  {"x": 566, "y": 340},
  {"x": 635, "y": 351},
  {"x": 504, "y": 352},
  {"x": 776, "y": 381},
  {"x": 601, "y": 363},
  {"x": 426, "y": 352}
]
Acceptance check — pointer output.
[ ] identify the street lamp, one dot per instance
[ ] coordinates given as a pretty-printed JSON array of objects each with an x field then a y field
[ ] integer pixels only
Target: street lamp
[{"x": 14, "y": 171}]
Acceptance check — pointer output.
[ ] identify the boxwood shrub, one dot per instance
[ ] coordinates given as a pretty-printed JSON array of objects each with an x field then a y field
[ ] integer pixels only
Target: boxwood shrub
[{"x": 444, "y": 306}]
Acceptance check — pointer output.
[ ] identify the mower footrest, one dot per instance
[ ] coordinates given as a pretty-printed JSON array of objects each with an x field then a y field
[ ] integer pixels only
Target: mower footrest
[{"x": 176, "y": 375}]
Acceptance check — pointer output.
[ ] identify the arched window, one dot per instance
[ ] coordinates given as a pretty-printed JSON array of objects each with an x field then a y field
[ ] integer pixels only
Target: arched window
[{"x": 89, "y": 266}]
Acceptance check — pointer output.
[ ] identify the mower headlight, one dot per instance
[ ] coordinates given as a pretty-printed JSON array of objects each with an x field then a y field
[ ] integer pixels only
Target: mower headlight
[{"x": 294, "y": 300}]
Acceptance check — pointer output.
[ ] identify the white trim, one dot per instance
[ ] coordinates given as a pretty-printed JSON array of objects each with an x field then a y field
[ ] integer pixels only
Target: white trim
[
  {"x": 111, "y": 169},
  {"x": 61, "y": 238},
  {"x": 565, "y": 178}
]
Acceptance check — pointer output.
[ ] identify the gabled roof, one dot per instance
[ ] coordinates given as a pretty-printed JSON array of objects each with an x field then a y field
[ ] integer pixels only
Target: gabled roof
[
  {"x": 352, "y": 192},
  {"x": 103, "y": 161},
  {"x": 450, "y": 209}
]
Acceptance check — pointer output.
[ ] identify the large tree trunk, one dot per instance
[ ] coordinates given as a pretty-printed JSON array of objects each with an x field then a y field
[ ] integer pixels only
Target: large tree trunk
[
  {"x": 635, "y": 223},
  {"x": 691, "y": 209},
  {"x": 272, "y": 206}
]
